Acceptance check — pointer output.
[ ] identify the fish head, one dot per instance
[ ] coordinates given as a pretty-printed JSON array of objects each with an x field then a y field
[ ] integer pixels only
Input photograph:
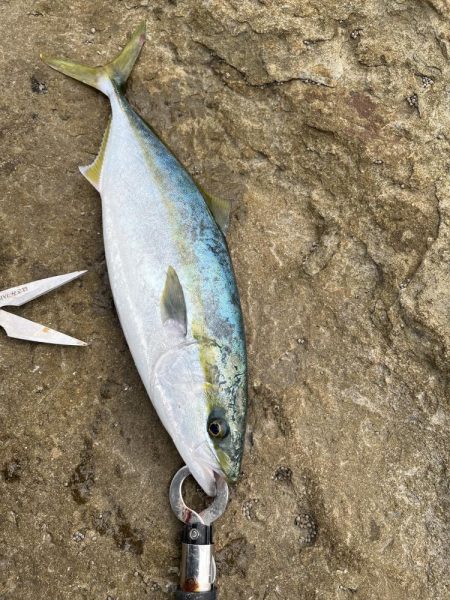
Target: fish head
[{"x": 201, "y": 402}]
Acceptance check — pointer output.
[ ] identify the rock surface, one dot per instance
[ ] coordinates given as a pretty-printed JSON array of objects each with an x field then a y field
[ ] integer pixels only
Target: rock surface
[{"x": 327, "y": 124}]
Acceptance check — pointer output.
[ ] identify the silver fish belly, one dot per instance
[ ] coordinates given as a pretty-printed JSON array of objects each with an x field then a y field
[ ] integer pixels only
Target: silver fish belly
[{"x": 172, "y": 282}]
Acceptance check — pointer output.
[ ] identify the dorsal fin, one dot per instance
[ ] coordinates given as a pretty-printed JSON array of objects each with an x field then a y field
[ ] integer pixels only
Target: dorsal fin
[
  {"x": 93, "y": 171},
  {"x": 220, "y": 209},
  {"x": 173, "y": 305}
]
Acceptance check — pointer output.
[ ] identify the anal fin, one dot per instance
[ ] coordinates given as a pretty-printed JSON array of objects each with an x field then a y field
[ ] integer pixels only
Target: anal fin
[{"x": 93, "y": 171}]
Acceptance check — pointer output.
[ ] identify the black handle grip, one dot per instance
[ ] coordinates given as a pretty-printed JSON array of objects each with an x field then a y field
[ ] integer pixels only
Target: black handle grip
[{"x": 211, "y": 595}]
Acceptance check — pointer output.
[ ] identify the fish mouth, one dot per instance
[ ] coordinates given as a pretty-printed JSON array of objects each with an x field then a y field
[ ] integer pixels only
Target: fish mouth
[
  {"x": 205, "y": 468},
  {"x": 205, "y": 476}
]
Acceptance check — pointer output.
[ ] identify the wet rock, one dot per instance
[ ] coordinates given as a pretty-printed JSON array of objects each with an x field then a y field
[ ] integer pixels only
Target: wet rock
[
  {"x": 235, "y": 557},
  {"x": 103, "y": 523},
  {"x": 38, "y": 87},
  {"x": 283, "y": 474},
  {"x": 83, "y": 476},
  {"x": 12, "y": 470},
  {"x": 127, "y": 538},
  {"x": 327, "y": 124}
]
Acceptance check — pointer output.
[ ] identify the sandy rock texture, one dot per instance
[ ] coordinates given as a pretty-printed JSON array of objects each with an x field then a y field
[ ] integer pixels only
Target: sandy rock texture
[{"x": 327, "y": 124}]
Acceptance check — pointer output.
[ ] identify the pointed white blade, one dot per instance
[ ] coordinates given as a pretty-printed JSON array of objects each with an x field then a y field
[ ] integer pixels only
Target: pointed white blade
[
  {"x": 23, "y": 329},
  {"x": 21, "y": 294}
]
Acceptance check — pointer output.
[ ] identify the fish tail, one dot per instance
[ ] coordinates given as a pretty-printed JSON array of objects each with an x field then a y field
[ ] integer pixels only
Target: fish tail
[{"x": 100, "y": 78}]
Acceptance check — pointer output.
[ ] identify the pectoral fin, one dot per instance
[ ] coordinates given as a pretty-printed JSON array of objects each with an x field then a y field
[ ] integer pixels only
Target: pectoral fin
[
  {"x": 93, "y": 171},
  {"x": 173, "y": 305}
]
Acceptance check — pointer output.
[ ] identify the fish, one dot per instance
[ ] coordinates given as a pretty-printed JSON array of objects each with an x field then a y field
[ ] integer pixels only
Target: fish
[{"x": 172, "y": 279}]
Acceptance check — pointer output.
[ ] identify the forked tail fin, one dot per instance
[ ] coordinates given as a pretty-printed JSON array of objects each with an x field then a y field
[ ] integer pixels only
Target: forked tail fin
[{"x": 101, "y": 77}]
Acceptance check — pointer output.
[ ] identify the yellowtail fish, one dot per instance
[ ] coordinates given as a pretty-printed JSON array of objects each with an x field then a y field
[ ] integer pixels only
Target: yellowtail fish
[{"x": 172, "y": 280}]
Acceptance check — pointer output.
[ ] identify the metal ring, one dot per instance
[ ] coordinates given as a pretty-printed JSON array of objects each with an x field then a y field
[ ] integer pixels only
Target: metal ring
[{"x": 186, "y": 514}]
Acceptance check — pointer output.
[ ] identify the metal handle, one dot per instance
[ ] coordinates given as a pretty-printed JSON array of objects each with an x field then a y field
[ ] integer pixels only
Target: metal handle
[{"x": 198, "y": 568}]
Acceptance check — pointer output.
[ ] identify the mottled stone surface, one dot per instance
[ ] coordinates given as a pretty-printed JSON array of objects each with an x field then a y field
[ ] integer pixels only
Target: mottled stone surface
[{"x": 327, "y": 124}]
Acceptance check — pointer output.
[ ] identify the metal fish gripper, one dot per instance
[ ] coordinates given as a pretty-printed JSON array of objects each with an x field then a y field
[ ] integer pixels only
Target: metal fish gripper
[{"x": 198, "y": 567}]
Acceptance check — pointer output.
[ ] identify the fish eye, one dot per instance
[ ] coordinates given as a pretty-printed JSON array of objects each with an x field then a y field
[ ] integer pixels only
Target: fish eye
[{"x": 218, "y": 428}]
